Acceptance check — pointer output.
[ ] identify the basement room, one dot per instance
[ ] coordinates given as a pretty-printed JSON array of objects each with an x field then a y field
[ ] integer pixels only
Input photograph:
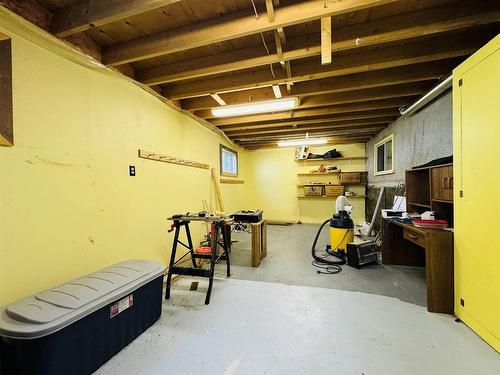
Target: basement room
[{"x": 249, "y": 187}]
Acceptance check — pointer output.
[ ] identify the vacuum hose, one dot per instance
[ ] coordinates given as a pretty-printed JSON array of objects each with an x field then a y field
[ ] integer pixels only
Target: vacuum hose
[{"x": 325, "y": 265}]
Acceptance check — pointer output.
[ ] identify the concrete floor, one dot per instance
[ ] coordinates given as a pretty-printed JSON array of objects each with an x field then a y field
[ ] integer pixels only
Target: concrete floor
[
  {"x": 299, "y": 322},
  {"x": 289, "y": 262}
]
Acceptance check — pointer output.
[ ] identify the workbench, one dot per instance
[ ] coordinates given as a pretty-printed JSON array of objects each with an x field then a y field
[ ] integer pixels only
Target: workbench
[
  {"x": 220, "y": 245},
  {"x": 407, "y": 245}
]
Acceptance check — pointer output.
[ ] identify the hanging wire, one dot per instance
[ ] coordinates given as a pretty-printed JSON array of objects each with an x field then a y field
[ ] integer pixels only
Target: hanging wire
[{"x": 262, "y": 36}]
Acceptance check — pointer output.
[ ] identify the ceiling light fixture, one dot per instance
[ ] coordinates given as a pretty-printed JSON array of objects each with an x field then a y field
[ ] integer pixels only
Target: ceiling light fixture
[
  {"x": 302, "y": 142},
  {"x": 276, "y": 105}
]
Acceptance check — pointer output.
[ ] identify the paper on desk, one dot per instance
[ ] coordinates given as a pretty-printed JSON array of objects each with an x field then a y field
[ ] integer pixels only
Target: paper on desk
[{"x": 399, "y": 203}]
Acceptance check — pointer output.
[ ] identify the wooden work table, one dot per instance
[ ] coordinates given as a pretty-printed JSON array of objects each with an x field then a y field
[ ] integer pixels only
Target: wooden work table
[{"x": 407, "y": 245}]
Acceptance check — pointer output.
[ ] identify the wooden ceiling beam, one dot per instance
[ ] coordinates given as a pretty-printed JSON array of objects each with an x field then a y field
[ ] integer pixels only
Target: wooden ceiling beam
[
  {"x": 397, "y": 56},
  {"x": 330, "y": 141},
  {"x": 87, "y": 14},
  {"x": 349, "y": 125},
  {"x": 355, "y": 96},
  {"x": 229, "y": 27},
  {"x": 317, "y": 134},
  {"x": 326, "y": 111},
  {"x": 331, "y": 120},
  {"x": 397, "y": 28},
  {"x": 378, "y": 78}
]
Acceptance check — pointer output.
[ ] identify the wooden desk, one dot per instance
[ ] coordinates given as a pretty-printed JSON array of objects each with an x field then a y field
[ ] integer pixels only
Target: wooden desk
[{"x": 403, "y": 244}]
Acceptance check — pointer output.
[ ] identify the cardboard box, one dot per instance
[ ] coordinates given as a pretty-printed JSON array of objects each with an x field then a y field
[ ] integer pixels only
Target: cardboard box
[
  {"x": 334, "y": 190},
  {"x": 313, "y": 191}
]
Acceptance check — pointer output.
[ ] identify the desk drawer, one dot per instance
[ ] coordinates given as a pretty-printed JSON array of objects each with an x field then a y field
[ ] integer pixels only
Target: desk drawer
[{"x": 414, "y": 237}]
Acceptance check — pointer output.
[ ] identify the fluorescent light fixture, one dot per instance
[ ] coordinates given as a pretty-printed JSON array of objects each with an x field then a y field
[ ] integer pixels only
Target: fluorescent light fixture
[
  {"x": 275, "y": 105},
  {"x": 277, "y": 91},
  {"x": 302, "y": 142}
]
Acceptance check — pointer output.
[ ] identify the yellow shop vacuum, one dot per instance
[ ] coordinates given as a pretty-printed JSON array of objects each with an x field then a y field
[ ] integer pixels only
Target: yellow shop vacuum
[{"x": 341, "y": 233}]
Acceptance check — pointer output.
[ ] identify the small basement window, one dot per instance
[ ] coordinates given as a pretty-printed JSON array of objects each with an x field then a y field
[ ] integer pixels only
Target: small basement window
[
  {"x": 228, "y": 162},
  {"x": 384, "y": 156},
  {"x": 6, "y": 128}
]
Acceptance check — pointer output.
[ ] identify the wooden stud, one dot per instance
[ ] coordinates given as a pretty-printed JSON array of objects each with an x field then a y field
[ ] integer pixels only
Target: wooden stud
[
  {"x": 326, "y": 40},
  {"x": 230, "y": 27},
  {"x": 84, "y": 15},
  {"x": 277, "y": 91},
  {"x": 218, "y": 194},
  {"x": 279, "y": 48},
  {"x": 218, "y": 99},
  {"x": 270, "y": 10}
]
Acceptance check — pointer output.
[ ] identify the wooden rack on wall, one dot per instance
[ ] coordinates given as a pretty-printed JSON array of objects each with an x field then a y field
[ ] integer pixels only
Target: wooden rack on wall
[{"x": 171, "y": 159}]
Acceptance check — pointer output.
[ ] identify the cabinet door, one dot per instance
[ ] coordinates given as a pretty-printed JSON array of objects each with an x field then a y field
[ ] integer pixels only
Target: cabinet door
[
  {"x": 477, "y": 203},
  {"x": 442, "y": 183}
]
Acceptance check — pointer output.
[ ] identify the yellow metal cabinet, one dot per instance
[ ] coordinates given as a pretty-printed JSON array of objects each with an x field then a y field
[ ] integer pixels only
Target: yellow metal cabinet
[{"x": 476, "y": 143}]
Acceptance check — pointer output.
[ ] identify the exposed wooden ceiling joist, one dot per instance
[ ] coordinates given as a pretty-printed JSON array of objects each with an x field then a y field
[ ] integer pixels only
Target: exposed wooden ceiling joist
[
  {"x": 326, "y": 111},
  {"x": 331, "y": 140},
  {"x": 385, "y": 53},
  {"x": 384, "y": 58},
  {"x": 355, "y": 96},
  {"x": 289, "y": 137},
  {"x": 330, "y": 120},
  {"x": 230, "y": 27},
  {"x": 361, "y": 124},
  {"x": 392, "y": 29},
  {"x": 86, "y": 14},
  {"x": 379, "y": 78}
]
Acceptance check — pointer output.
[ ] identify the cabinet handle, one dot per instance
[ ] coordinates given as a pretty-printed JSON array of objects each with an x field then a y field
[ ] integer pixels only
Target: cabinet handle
[
  {"x": 443, "y": 183},
  {"x": 412, "y": 236},
  {"x": 451, "y": 183}
]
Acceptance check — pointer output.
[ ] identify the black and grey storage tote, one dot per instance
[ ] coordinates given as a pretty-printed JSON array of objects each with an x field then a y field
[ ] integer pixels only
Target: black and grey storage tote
[{"x": 76, "y": 327}]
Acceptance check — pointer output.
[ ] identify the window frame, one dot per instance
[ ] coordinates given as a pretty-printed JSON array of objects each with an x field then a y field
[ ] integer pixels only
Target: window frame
[
  {"x": 375, "y": 156},
  {"x": 228, "y": 149}
]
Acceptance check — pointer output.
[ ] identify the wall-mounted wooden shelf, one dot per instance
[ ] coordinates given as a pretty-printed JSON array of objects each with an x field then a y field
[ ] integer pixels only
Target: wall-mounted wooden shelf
[
  {"x": 327, "y": 173},
  {"x": 231, "y": 181},
  {"x": 328, "y": 197},
  {"x": 336, "y": 159},
  {"x": 350, "y": 184}
]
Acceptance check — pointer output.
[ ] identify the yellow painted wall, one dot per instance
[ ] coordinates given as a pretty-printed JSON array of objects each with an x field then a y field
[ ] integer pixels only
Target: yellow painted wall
[
  {"x": 272, "y": 182},
  {"x": 476, "y": 136},
  {"x": 67, "y": 204}
]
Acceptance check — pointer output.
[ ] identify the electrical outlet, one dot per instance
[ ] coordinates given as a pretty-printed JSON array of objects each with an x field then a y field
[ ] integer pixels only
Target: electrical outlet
[
  {"x": 131, "y": 170},
  {"x": 462, "y": 302}
]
